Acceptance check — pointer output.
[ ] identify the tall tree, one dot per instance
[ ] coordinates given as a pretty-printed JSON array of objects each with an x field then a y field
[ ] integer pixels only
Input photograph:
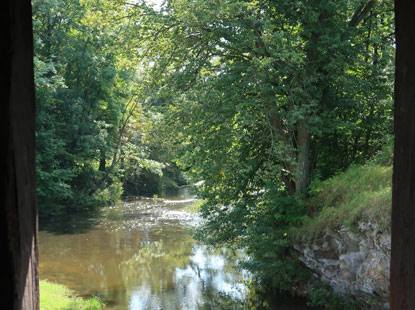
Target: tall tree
[
  {"x": 262, "y": 96},
  {"x": 302, "y": 62},
  {"x": 92, "y": 84}
]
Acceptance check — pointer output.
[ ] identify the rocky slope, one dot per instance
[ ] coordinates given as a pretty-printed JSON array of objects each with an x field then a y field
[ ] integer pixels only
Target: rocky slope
[{"x": 352, "y": 261}]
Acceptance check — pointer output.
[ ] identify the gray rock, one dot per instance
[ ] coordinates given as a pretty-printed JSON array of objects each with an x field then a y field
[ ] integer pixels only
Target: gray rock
[{"x": 354, "y": 262}]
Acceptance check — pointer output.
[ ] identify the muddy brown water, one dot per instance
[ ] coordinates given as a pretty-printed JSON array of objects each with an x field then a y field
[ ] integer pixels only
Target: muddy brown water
[{"x": 140, "y": 255}]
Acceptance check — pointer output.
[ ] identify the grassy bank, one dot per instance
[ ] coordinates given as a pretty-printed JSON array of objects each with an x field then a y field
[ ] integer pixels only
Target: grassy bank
[
  {"x": 55, "y": 296},
  {"x": 361, "y": 193}
]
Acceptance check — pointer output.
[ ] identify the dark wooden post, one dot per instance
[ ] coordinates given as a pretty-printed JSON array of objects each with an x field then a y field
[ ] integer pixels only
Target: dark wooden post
[
  {"x": 402, "y": 282},
  {"x": 18, "y": 211}
]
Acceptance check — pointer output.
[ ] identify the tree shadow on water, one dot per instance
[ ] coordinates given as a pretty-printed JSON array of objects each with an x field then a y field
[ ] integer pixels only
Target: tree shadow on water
[{"x": 76, "y": 223}]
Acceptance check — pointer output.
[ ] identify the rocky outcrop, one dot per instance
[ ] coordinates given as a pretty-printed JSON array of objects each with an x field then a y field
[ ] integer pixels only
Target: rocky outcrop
[{"x": 353, "y": 261}]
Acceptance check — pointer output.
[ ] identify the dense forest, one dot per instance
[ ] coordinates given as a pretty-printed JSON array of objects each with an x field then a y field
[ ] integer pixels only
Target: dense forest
[
  {"x": 95, "y": 117},
  {"x": 261, "y": 100}
]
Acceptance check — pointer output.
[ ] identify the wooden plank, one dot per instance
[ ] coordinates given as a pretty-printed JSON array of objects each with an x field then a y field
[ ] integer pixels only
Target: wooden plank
[
  {"x": 18, "y": 214},
  {"x": 402, "y": 285}
]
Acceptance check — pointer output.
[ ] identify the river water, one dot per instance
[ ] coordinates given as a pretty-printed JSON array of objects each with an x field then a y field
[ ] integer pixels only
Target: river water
[{"x": 140, "y": 255}]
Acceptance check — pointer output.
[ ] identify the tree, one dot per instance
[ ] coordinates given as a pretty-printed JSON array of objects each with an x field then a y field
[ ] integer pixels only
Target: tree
[
  {"x": 78, "y": 110},
  {"x": 298, "y": 61},
  {"x": 262, "y": 96}
]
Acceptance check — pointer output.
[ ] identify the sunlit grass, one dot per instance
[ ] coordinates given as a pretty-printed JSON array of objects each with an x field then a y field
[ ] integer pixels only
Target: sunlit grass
[
  {"x": 194, "y": 207},
  {"x": 55, "y": 296},
  {"x": 362, "y": 193}
]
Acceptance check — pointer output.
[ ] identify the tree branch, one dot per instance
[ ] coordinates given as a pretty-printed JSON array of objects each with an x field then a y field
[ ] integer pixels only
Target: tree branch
[{"x": 361, "y": 12}]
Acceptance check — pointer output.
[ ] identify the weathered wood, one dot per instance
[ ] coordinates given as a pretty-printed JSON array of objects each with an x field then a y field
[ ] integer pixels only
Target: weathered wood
[
  {"x": 402, "y": 283},
  {"x": 18, "y": 212}
]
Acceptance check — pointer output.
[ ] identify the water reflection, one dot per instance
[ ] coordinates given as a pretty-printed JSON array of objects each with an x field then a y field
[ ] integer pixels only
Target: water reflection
[
  {"x": 140, "y": 255},
  {"x": 194, "y": 285}
]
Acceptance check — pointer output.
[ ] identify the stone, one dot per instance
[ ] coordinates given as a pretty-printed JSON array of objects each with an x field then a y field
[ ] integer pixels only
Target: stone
[{"x": 355, "y": 262}]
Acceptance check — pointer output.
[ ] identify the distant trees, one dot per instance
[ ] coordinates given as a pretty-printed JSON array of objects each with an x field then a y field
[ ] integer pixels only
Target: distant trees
[
  {"x": 90, "y": 122},
  {"x": 78, "y": 108}
]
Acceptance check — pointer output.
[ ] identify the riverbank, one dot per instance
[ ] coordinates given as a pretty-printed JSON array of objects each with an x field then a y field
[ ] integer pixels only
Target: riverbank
[
  {"x": 55, "y": 296},
  {"x": 140, "y": 255},
  {"x": 346, "y": 240}
]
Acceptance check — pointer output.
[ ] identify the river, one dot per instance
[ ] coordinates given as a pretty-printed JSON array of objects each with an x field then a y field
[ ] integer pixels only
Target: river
[{"x": 140, "y": 255}]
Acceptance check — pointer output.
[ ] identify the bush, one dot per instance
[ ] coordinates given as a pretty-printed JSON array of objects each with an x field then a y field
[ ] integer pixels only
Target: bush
[
  {"x": 323, "y": 297},
  {"x": 269, "y": 244}
]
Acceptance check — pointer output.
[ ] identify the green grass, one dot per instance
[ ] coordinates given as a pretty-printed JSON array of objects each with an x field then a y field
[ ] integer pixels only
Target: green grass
[
  {"x": 55, "y": 296},
  {"x": 194, "y": 207},
  {"x": 359, "y": 194}
]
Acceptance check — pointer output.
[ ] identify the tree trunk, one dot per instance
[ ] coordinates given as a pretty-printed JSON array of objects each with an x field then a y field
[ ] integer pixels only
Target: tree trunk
[
  {"x": 402, "y": 280},
  {"x": 102, "y": 160},
  {"x": 18, "y": 211},
  {"x": 303, "y": 162}
]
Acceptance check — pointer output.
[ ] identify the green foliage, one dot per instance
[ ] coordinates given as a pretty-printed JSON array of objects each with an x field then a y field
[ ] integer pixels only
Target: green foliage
[
  {"x": 255, "y": 74},
  {"x": 257, "y": 296},
  {"x": 255, "y": 98},
  {"x": 262, "y": 94},
  {"x": 55, "y": 296},
  {"x": 153, "y": 172},
  {"x": 263, "y": 230},
  {"x": 268, "y": 243},
  {"x": 73, "y": 79},
  {"x": 195, "y": 207},
  {"x": 323, "y": 297},
  {"x": 384, "y": 157},
  {"x": 90, "y": 123},
  {"x": 110, "y": 194},
  {"x": 358, "y": 194}
]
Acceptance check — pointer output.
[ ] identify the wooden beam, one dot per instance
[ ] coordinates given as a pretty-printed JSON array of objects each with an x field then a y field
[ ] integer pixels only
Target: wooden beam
[
  {"x": 402, "y": 281},
  {"x": 18, "y": 211}
]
